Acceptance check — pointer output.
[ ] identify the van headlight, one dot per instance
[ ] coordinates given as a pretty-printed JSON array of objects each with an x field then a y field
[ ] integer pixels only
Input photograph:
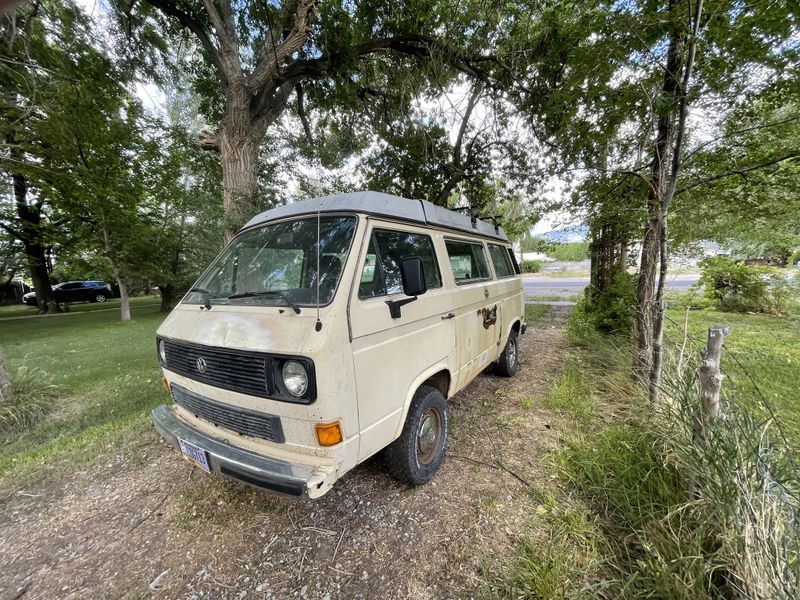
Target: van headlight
[
  {"x": 295, "y": 378},
  {"x": 162, "y": 352}
]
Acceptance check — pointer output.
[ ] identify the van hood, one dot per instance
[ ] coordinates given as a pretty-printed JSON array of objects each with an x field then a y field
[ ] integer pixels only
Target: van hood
[{"x": 261, "y": 329}]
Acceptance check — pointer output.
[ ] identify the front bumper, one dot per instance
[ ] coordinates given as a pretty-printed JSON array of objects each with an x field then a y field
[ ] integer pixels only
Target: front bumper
[{"x": 293, "y": 479}]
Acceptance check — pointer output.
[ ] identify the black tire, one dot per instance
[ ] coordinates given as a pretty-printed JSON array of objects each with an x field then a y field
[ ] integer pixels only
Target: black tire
[
  {"x": 100, "y": 298},
  {"x": 410, "y": 457},
  {"x": 508, "y": 362}
]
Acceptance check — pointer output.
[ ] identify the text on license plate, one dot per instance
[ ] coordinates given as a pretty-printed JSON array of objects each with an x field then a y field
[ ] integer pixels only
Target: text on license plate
[{"x": 195, "y": 454}]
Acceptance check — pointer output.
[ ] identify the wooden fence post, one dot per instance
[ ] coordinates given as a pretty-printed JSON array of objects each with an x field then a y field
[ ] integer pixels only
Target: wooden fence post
[
  {"x": 708, "y": 372},
  {"x": 710, "y": 379}
]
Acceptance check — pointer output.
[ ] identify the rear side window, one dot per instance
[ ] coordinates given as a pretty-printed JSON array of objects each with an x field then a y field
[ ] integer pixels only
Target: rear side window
[
  {"x": 380, "y": 275},
  {"x": 467, "y": 260},
  {"x": 501, "y": 261}
]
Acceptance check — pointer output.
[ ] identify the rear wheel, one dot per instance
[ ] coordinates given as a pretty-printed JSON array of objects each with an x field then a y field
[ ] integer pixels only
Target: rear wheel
[
  {"x": 100, "y": 298},
  {"x": 509, "y": 360},
  {"x": 416, "y": 455}
]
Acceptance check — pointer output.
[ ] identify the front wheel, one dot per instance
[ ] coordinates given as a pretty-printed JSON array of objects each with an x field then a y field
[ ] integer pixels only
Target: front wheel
[
  {"x": 100, "y": 298},
  {"x": 509, "y": 360},
  {"x": 418, "y": 453}
]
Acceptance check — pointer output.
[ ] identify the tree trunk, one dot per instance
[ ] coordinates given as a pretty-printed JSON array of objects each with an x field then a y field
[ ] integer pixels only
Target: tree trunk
[
  {"x": 125, "y": 305},
  {"x": 6, "y": 393},
  {"x": 30, "y": 219},
  {"x": 167, "y": 292},
  {"x": 647, "y": 309},
  {"x": 239, "y": 144}
]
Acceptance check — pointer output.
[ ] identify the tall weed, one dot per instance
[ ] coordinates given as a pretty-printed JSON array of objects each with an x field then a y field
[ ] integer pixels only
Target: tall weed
[{"x": 33, "y": 397}]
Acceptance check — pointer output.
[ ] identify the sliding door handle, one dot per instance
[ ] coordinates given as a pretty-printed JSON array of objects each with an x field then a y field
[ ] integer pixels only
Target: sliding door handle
[{"x": 449, "y": 316}]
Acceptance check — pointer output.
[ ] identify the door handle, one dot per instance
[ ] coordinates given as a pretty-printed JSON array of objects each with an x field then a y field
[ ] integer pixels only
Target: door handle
[
  {"x": 449, "y": 316},
  {"x": 486, "y": 292}
]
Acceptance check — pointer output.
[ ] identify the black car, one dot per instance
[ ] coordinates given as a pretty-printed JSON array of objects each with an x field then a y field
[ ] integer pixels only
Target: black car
[{"x": 76, "y": 291}]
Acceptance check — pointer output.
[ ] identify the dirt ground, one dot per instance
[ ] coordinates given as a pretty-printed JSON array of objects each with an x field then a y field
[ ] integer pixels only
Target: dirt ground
[{"x": 152, "y": 526}]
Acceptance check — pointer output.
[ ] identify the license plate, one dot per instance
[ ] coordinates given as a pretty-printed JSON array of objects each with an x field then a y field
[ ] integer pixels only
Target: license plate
[{"x": 194, "y": 454}]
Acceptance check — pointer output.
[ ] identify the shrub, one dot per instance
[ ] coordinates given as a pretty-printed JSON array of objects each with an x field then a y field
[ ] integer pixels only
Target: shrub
[
  {"x": 736, "y": 287},
  {"x": 609, "y": 312},
  {"x": 569, "y": 252},
  {"x": 33, "y": 396},
  {"x": 531, "y": 266}
]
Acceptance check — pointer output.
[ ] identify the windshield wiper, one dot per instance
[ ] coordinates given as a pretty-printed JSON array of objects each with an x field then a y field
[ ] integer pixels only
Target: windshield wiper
[
  {"x": 207, "y": 295},
  {"x": 273, "y": 293}
]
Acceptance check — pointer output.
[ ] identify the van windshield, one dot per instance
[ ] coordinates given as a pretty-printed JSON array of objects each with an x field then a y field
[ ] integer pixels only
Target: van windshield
[{"x": 277, "y": 264}]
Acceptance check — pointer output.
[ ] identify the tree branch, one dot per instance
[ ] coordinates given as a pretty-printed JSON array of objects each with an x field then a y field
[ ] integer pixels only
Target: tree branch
[
  {"x": 301, "y": 112},
  {"x": 742, "y": 172},
  {"x": 13, "y": 233},
  {"x": 457, "y": 166},
  {"x": 169, "y": 8},
  {"x": 269, "y": 66},
  {"x": 225, "y": 28},
  {"x": 740, "y": 131}
]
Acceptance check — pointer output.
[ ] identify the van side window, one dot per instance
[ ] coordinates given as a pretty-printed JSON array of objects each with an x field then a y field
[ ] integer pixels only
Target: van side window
[
  {"x": 468, "y": 261},
  {"x": 501, "y": 261},
  {"x": 380, "y": 275}
]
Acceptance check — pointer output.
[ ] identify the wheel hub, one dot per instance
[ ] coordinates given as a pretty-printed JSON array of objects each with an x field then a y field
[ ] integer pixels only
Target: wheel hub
[{"x": 428, "y": 436}]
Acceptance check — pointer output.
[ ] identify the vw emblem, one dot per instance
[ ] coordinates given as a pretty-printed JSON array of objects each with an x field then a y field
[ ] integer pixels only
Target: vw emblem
[{"x": 201, "y": 365}]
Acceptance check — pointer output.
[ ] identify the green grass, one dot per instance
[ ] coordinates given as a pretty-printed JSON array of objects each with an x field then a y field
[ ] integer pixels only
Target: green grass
[
  {"x": 21, "y": 310},
  {"x": 621, "y": 521},
  {"x": 570, "y": 396},
  {"x": 766, "y": 347},
  {"x": 535, "y": 313},
  {"x": 107, "y": 378}
]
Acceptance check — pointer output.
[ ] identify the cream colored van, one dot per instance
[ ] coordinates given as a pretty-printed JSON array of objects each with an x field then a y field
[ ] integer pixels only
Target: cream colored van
[{"x": 334, "y": 328}]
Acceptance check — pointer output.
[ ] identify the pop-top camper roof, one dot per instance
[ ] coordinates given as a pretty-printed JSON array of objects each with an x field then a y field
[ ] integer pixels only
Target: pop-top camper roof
[{"x": 384, "y": 205}]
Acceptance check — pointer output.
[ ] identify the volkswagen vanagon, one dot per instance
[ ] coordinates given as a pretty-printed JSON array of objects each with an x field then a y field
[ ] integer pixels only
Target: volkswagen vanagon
[{"x": 332, "y": 329}]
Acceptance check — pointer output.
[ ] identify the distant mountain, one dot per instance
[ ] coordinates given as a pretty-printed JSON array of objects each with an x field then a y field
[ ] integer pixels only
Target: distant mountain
[{"x": 565, "y": 235}]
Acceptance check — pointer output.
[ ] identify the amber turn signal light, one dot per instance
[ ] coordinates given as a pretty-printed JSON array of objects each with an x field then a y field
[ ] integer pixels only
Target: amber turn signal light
[
  {"x": 328, "y": 434},
  {"x": 165, "y": 383}
]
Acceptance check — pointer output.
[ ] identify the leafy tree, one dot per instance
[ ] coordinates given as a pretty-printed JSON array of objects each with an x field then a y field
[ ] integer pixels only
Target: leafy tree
[
  {"x": 614, "y": 90},
  {"x": 34, "y": 38},
  {"x": 256, "y": 56}
]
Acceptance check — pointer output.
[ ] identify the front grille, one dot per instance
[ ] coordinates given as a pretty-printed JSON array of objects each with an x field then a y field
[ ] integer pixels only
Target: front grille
[
  {"x": 235, "y": 418},
  {"x": 236, "y": 370}
]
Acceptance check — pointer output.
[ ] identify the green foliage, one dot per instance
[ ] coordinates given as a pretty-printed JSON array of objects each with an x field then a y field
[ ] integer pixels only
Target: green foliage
[
  {"x": 569, "y": 252},
  {"x": 414, "y": 162},
  {"x": 531, "y": 266},
  {"x": 735, "y": 287},
  {"x": 535, "y": 244},
  {"x": 563, "y": 251},
  {"x": 609, "y": 312}
]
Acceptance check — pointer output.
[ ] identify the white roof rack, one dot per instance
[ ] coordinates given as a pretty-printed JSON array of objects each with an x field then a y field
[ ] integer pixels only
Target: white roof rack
[{"x": 385, "y": 205}]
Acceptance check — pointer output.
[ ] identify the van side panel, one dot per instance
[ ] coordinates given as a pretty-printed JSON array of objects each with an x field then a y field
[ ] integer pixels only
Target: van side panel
[{"x": 390, "y": 354}]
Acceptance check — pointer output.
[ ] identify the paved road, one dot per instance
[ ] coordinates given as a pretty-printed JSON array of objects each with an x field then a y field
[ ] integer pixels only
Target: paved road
[{"x": 566, "y": 286}]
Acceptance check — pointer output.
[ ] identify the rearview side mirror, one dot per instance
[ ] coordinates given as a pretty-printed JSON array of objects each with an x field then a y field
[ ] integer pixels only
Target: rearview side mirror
[{"x": 412, "y": 274}]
